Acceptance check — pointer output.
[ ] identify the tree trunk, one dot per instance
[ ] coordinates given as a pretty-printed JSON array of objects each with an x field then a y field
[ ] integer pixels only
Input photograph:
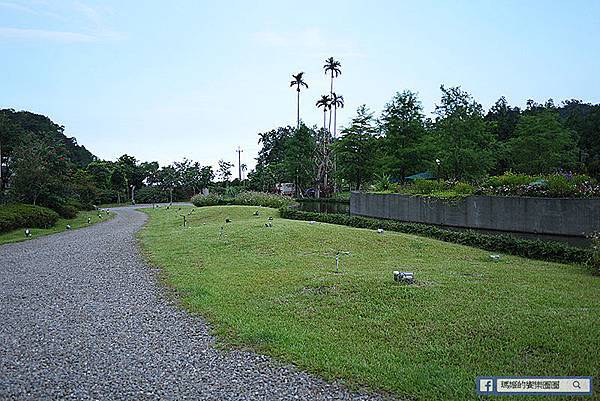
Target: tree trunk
[
  {"x": 335, "y": 189},
  {"x": 331, "y": 90},
  {"x": 298, "y": 104}
]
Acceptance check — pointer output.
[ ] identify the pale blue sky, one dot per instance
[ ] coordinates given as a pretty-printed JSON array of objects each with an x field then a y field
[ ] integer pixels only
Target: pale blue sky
[{"x": 163, "y": 80}]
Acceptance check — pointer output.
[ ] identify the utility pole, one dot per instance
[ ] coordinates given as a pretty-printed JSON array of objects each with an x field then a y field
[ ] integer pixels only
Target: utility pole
[{"x": 239, "y": 152}]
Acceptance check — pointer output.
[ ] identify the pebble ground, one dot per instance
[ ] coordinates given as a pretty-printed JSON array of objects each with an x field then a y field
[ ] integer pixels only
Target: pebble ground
[{"x": 83, "y": 317}]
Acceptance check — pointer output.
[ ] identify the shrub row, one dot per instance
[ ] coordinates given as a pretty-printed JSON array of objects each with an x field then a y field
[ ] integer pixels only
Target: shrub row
[
  {"x": 18, "y": 215},
  {"x": 534, "y": 249},
  {"x": 558, "y": 185},
  {"x": 244, "y": 198},
  {"x": 324, "y": 200}
]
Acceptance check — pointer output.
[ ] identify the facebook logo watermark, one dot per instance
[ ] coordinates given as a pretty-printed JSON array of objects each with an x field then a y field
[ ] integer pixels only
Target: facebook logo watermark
[
  {"x": 534, "y": 385},
  {"x": 485, "y": 385}
]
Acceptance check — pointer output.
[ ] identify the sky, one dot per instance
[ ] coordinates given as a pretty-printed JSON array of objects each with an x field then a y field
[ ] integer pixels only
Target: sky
[{"x": 164, "y": 80}]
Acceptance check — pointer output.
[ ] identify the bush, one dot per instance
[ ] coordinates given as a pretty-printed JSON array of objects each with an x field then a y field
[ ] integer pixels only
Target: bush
[
  {"x": 67, "y": 211},
  {"x": 533, "y": 249},
  {"x": 558, "y": 185},
  {"x": 207, "y": 200},
  {"x": 152, "y": 195},
  {"x": 69, "y": 208},
  {"x": 426, "y": 187},
  {"x": 18, "y": 215},
  {"x": 244, "y": 198},
  {"x": 383, "y": 183},
  {"x": 263, "y": 199},
  {"x": 462, "y": 188}
]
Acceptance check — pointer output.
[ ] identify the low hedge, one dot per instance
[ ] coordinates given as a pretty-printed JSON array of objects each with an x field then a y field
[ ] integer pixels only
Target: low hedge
[
  {"x": 324, "y": 200},
  {"x": 18, "y": 215},
  {"x": 244, "y": 198},
  {"x": 534, "y": 249}
]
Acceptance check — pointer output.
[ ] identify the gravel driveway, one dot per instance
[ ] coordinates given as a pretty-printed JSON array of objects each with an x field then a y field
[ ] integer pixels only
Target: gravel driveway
[{"x": 82, "y": 317}]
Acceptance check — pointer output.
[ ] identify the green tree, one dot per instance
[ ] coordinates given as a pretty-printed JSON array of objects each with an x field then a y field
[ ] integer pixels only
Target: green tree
[
  {"x": 355, "y": 148},
  {"x": 465, "y": 147},
  {"x": 224, "y": 170},
  {"x": 298, "y": 160},
  {"x": 40, "y": 172},
  {"x": 118, "y": 182},
  {"x": 502, "y": 120},
  {"x": 583, "y": 119},
  {"x": 542, "y": 145},
  {"x": 167, "y": 179},
  {"x": 403, "y": 129},
  {"x": 269, "y": 163}
]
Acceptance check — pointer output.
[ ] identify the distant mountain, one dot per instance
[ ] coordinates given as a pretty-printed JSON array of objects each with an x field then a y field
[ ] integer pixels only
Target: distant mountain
[{"x": 16, "y": 124}]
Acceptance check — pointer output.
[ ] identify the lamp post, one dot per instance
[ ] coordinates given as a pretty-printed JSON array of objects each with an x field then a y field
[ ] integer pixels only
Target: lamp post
[{"x": 438, "y": 162}]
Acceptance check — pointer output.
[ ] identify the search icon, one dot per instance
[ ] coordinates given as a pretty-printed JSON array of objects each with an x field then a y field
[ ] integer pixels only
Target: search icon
[{"x": 576, "y": 384}]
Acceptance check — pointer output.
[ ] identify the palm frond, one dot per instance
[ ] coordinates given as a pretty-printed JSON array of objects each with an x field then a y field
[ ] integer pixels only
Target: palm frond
[
  {"x": 332, "y": 66},
  {"x": 298, "y": 80},
  {"x": 337, "y": 100},
  {"x": 324, "y": 101}
]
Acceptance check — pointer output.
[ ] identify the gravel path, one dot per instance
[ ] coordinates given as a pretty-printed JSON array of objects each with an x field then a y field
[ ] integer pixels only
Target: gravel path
[{"x": 82, "y": 317}]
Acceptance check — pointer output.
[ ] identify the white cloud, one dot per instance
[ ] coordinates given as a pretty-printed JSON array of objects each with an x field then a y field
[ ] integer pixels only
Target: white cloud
[
  {"x": 41, "y": 34},
  {"x": 82, "y": 22}
]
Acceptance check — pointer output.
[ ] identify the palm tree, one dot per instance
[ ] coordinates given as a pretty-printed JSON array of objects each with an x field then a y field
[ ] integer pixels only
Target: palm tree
[
  {"x": 332, "y": 66},
  {"x": 299, "y": 82},
  {"x": 336, "y": 101},
  {"x": 325, "y": 102}
]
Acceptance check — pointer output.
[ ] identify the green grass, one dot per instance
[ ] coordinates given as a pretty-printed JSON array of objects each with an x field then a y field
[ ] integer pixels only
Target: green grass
[
  {"x": 275, "y": 291},
  {"x": 61, "y": 225}
]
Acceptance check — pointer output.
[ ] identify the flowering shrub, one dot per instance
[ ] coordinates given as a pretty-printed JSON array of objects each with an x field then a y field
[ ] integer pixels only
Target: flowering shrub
[
  {"x": 263, "y": 199},
  {"x": 438, "y": 188},
  {"x": 560, "y": 185}
]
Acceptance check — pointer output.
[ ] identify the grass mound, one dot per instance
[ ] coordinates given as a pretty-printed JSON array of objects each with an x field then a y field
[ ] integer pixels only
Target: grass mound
[
  {"x": 275, "y": 290},
  {"x": 19, "y": 215}
]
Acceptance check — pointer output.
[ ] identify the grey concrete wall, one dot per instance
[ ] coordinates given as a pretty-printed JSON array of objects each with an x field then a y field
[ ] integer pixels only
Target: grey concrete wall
[{"x": 560, "y": 216}]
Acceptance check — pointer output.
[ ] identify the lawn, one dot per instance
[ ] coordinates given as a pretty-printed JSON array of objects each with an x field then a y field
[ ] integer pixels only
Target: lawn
[
  {"x": 61, "y": 225},
  {"x": 275, "y": 290}
]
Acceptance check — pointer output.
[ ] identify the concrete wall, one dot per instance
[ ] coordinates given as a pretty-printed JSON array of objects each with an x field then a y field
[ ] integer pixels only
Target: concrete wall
[{"x": 571, "y": 217}]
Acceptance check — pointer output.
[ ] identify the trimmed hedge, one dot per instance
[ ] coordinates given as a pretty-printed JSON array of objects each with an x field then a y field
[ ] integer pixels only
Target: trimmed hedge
[
  {"x": 244, "y": 198},
  {"x": 533, "y": 249},
  {"x": 323, "y": 200},
  {"x": 18, "y": 215}
]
